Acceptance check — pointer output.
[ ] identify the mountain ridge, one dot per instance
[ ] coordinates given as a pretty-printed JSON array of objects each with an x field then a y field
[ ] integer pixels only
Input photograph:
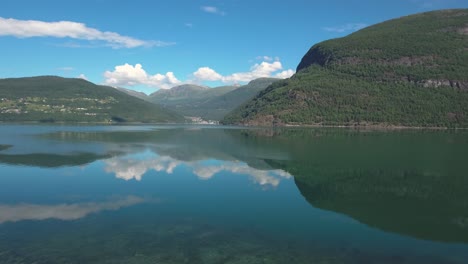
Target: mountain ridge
[
  {"x": 208, "y": 103},
  {"x": 58, "y": 99},
  {"x": 410, "y": 71}
]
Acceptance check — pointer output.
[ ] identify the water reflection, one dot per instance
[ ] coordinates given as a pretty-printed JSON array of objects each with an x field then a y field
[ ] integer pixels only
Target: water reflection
[
  {"x": 135, "y": 166},
  {"x": 20, "y": 212},
  {"x": 412, "y": 183}
]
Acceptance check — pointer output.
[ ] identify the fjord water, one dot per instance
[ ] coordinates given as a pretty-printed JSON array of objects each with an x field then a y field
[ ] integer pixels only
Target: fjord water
[{"x": 186, "y": 194}]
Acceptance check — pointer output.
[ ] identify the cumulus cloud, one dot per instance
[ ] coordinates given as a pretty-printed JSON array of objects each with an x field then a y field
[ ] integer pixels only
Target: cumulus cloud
[
  {"x": 207, "y": 74},
  {"x": 15, "y": 213},
  {"x": 82, "y": 76},
  {"x": 69, "y": 29},
  {"x": 134, "y": 169},
  {"x": 346, "y": 27},
  {"x": 259, "y": 70},
  {"x": 129, "y": 75},
  {"x": 285, "y": 74},
  {"x": 212, "y": 10}
]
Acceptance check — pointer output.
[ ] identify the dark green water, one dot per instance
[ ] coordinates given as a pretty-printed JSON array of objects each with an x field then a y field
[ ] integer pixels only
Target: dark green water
[{"x": 156, "y": 194}]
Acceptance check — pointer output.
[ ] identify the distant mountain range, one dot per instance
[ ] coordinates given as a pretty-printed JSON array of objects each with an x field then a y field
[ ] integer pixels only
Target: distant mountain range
[
  {"x": 411, "y": 71},
  {"x": 56, "y": 99},
  {"x": 208, "y": 103}
]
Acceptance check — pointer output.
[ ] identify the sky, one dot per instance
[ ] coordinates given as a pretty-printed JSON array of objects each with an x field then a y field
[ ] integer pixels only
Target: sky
[{"x": 148, "y": 45}]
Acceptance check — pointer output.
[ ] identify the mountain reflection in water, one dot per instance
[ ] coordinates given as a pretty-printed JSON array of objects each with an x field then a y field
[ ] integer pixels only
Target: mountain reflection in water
[{"x": 410, "y": 183}]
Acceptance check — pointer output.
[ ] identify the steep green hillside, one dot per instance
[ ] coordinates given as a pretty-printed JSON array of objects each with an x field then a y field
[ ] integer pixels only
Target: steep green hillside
[
  {"x": 411, "y": 71},
  {"x": 208, "y": 103},
  {"x": 51, "y": 99}
]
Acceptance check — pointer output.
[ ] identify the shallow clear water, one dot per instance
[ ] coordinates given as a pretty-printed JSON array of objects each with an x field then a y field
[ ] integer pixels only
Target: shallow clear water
[{"x": 186, "y": 194}]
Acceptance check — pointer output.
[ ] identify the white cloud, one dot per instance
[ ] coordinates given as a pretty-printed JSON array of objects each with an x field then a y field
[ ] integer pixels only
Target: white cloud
[
  {"x": 69, "y": 29},
  {"x": 129, "y": 75},
  {"x": 259, "y": 70},
  {"x": 15, "y": 213},
  {"x": 266, "y": 58},
  {"x": 82, "y": 76},
  {"x": 285, "y": 74},
  {"x": 207, "y": 74},
  {"x": 213, "y": 10},
  {"x": 346, "y": 27},
  {"x": 264, "y": 69}
]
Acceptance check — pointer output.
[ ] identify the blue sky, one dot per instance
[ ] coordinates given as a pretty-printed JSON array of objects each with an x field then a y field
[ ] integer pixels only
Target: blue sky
[{"x": 149, "y": 45}]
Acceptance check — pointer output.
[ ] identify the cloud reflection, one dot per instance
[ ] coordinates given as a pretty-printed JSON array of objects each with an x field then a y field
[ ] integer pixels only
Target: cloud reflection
[
  {"x": 262, "y": 177},
  {"x": 128, "y": 168},
  {"x": 15, "y": 213}
]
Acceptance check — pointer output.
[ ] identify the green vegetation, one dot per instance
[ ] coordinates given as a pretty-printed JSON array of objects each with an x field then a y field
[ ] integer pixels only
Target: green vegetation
[
  {"x": 411, "y": 71},
  {"x": 208, "y": 103},
  {"x": 55, "y": 99},
  {"x": 218, "y": 107},
  {"x": 188, "y": 100},
  {"x": 134, "y": 93}
]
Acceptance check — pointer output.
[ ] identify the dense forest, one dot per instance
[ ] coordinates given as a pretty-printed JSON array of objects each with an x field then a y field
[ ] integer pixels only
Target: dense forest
[{"x": 411, "y": 71}]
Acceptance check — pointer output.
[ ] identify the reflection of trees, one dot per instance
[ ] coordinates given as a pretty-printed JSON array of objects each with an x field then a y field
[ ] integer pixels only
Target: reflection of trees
[
  {"x": 415, "y": 203},
  {"x": 408, "y": 182}
]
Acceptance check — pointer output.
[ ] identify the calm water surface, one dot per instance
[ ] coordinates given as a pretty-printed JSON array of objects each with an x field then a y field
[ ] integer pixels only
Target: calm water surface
[{"x": 160, "y": 194}]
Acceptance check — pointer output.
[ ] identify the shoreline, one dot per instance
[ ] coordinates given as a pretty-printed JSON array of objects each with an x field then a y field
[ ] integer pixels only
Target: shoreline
[{"x": 372, "y": 127}]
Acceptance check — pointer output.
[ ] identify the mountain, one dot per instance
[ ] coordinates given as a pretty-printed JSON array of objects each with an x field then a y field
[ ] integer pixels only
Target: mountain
[
  {"x": 181, "y": 92},
  {"x": 51, "y": 99},
  {"x": 133, "y": 93},
  {"x": 208, "y": 103},
  {"x": 410, "y": 71},
  {"x": 188, "y": 99},
  {"x": 218, "y": 107}
]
